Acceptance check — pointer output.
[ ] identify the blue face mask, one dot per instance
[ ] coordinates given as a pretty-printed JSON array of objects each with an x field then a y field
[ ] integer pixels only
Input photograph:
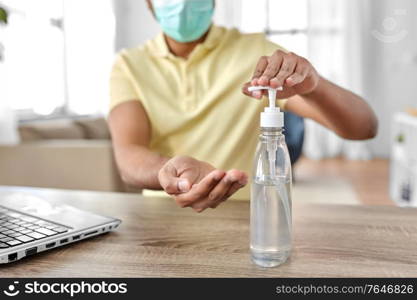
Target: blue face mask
[{"x": 184, "y": 20}]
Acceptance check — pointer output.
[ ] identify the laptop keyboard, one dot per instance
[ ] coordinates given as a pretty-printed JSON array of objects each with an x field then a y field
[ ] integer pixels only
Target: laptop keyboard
[{"x": 16, "y": 229}]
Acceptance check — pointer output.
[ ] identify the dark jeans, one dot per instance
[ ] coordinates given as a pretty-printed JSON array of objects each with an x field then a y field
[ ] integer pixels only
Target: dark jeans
[{"x": 294, "y": 135}]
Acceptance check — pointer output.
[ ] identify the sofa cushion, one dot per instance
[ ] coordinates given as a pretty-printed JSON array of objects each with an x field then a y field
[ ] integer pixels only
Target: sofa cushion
[
  {"x": 94, "y": 128},
  {"x": 65, "y": 164},
  {"x": 51, "y": 129}
]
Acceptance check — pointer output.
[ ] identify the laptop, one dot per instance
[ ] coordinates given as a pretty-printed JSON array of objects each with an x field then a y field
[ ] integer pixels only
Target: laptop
[{"x": 30, "y": 224}]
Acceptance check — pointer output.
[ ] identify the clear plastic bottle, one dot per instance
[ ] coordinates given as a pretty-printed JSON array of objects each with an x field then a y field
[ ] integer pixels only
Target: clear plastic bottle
[
  {"x": 270, "y": 238},
  {"x": 270, "y": 210}
]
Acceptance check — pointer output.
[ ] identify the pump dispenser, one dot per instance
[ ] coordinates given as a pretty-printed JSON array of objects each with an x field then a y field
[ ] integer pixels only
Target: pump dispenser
[
  {"x": 272, "y": 115},
  {"x": 271, "y": 189}
]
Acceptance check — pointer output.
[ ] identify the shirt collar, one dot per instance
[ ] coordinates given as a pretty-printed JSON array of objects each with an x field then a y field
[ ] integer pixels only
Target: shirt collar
[{"x": 160, "y": 48}]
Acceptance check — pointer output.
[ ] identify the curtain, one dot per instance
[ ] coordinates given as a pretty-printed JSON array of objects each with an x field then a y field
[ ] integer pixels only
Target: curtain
[
  {"x": 8, "y": 126},
  {"x": 336, "y": 43},
  {"x": 8, "y": 121}
]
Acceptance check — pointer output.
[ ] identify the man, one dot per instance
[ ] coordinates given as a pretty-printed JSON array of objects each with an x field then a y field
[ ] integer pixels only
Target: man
[{"x": 179, "y": 121}]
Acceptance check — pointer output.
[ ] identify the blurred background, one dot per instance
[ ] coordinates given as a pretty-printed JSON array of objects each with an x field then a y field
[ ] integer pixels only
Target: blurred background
[{"x": 56, "y": 55}]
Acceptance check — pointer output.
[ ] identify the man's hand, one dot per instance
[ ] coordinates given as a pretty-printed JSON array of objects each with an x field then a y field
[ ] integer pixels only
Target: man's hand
[
  {"x": 198, "y": 184},
  {"x": 292, "y": 72}
]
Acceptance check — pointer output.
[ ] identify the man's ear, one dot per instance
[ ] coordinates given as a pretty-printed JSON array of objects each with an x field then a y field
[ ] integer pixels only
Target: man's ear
[{"x": 150, "y": 6}]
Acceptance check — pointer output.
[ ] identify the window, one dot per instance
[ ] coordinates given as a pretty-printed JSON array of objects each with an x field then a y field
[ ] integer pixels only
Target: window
[
  {"x": 58, "y": 55},
  {"x": 33, "y": 57},
  {"x": 89, "y": 31},
  {"x": 285, "y": 22}
]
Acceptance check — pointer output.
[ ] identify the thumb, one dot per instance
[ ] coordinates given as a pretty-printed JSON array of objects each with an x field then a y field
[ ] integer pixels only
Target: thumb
[
  {"x": 245, "y": 89},
  {"x": 255, "y": 94},
  {"x": 171, "y": 183}
]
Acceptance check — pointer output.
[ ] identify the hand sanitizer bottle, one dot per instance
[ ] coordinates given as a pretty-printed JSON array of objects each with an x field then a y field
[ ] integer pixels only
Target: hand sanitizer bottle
[{"x": 270, "y": 212}]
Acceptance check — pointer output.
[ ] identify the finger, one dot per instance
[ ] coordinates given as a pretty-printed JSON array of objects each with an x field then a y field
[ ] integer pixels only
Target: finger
[
  {"x": 234, "y": 188},
  {"x": 259, "y": 70},
  {"x": 294, "y": 79},
  {"x": 201, "y": 190},
  {"x": 245, "y": 89},
  {"x": 274, "y": 64},
  {"x": 299, "y": 75},
  {"x": 170, "y": 182},
  {"x": 240, "y": 181},
  {"x": 236, "y": 185},
  {"x": 254, "y": 94},
  {"x": 287, "y": 68},
  {"x": 216, "y": 195}
]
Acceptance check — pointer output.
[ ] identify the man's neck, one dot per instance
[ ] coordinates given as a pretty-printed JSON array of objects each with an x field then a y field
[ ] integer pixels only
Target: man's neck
[{"x": 183, "y": 49}]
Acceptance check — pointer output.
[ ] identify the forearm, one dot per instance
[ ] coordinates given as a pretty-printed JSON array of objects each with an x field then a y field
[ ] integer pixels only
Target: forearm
[
  {"x": 139, "y": 166},
  {"x": 344, "y": 112},
  {"x": 312, "y": 96}
]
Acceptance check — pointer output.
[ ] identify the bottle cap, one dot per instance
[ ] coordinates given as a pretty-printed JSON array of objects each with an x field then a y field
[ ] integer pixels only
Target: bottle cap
[{"x": 272, "y": 116}]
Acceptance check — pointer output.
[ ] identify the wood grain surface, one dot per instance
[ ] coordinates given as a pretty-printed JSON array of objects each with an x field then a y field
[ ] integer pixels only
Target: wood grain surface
[{"x": 159, "y": 239}]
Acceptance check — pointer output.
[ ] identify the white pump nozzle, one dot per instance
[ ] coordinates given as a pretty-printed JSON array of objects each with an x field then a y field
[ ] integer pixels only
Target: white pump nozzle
[
  {"x": 272, "y": 116},
  {"x": 272, "y": 93}
]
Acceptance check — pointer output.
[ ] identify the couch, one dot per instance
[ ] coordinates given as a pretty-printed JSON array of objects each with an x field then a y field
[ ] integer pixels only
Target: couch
[{"x": 67, "y": 153}]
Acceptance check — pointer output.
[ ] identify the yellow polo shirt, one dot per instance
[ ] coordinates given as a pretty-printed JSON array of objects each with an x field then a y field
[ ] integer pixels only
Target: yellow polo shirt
[{"x": 195, "y": 105}]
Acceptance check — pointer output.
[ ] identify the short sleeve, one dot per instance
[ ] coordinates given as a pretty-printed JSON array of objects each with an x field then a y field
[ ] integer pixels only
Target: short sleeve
[
  {"x": 270, "y": 47},
  {"x": 121, "y": 85}
]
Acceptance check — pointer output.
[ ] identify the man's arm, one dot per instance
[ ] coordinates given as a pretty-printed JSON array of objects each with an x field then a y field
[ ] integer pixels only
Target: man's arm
[
  {"x": 131, "y": 133},
  {"x": 340, "y": 110},
  {"x": 314, "y": 97}
]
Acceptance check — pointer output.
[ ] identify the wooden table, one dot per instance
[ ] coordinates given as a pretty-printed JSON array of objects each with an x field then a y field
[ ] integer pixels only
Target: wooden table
[{"x": 159, "y": 239}]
